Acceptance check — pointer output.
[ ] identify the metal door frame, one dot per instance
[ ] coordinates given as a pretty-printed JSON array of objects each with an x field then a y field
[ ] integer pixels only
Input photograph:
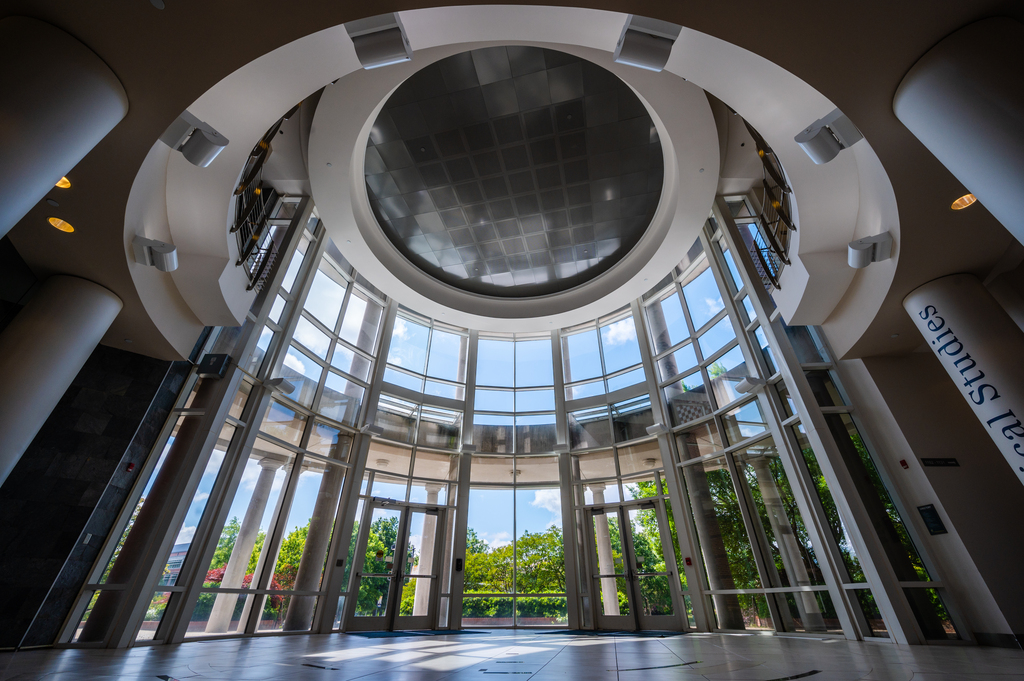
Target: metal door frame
[{"x": 391, "y": 616}]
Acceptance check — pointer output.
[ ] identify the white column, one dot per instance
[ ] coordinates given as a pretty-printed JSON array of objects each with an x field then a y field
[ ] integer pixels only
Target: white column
[
  {"x": 234, "y": 571},
  {"x": 982, "y": 350},
  {"x": 605, "y": 559},
  {"x": 41, "y": 352},
  {"x": 59, "y": 100},
  {"x": 960, "y": 101}
]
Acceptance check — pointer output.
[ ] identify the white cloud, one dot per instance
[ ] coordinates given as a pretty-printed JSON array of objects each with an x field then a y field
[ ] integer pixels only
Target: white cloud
[
  {"x": 401, "y": 329},
  {"x": 548, "y": 499},
  {"x": 620, "y": 332},
  {"x": 496, "y": 540},
  {"x": 202, "y": 496},
  {"x": 715, "y": 305},
  {"x": 186, "y": 534},
  {"x": 293, "y": 362}
]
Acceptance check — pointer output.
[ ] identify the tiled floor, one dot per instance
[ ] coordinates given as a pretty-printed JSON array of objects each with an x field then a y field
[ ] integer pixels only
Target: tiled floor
[{"x": 523, "y": 655}]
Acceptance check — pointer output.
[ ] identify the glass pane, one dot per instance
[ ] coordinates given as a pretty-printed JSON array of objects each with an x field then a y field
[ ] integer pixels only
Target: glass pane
[
  {"x": 931, "y": 614},
  {"x": 743, "y": 422},
  {"x": 390, "y": 458},
  {"x": 235, "y": 605},
  {"x": 716, "y": 337},
  {"x": 533, "y": 363},
  {"x": 378, "y": 562},
  {"x": 494, "y": 400},
  {"x": 580, "y": 356},
  {"x": 655, "y": 592},
  {"x": 884, "y": 515},
  {"x": 439, "y": 427},
  {"x": 700, "y": 440},
  {"x": 448, "y": 356},
  {"x": 489, "y": 551},
  {"x": 397, "y": 418},
  {"x": 640, "y": 487},
  {"x": 389, "y": 487},
  {"x": 303, "y": 373},
  {"x": 328, "y": 441},
  {"x": 589, "y": 428},
  {"x": 793, "y": 557},
  {"x": 687, "y": 399},
  {"x": 734, "y": 272},
  {"x": 811, "y": 612},
  {"x": 350, "y": 362},
  {"x": 749, "y": 308},
  {"x": 609, "y": 547},
  {"x": 598, "y": 493},
  {"x": 403, "y": 379},
  {"x": 620, "y": 346},
  {"x": 540, "y": 557},
  {"x": 424, "y": 492},
  {"x": 581, "y": 390},
  {"x": 487, "y": 612},
  {"x": 639, "y": 458},
  {"x": 312, "y": 338},
  {"x": 277, "y": 309},
  {"x": 452, "y": 392},
  {"x": 728, "y": 559},
  {"x": 679, "y": 361},
  {"x": 536, "y": 434},
  {"x": 341, "y": 399},
  {"x": 532, "y": 469},
  {"x": 725, "y": 373},
  {"x": 766, "y": 351},
  {"x": 154, "y": 613},
  {"x": 596, "y": 465},
  {"x": 326, "y": 294},
  {"x": 824, "y": 388},
  {"x": 535, "y": 400},
  {"x": 240, "y": 400},
  {"x": 408, "y": 345},
  {"x": 362, "y": 321},
  {"x": 545, "y": 611},
  {"x": 259, "y": 353},
  {"x": 854, "y": 571},
  {"x": 296, "y": 263},
  {"x": 631, "y": 418},
  {"x": 667, "y": 322},
  {"x": 805, "y": 344},
  {"x": 787, "y": 400},
  {"x": 627, "y": 379},
  {"x": 872, "y": 617},
  {"x": 183, "y": 542},
  {"x": 283, "y": 423},
  {"x": 418, "y": 560},
  {"x": 495, "y": 363},
  {"x": 493, "y": 433},
  {"x": 435, "y": 465},
  {"x": 703, "y": 298},
  {"x": 749, "y": 611}
]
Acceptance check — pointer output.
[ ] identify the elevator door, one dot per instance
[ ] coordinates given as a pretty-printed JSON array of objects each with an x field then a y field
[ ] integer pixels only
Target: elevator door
[
  {"x": 635, "y": 586},
  {"x": 396, "y": 582}
]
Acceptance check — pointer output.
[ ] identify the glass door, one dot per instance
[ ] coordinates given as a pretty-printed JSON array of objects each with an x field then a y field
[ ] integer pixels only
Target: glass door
[
  {"x": 632, "y": 567},
  {"x": 395, "y": 581}
]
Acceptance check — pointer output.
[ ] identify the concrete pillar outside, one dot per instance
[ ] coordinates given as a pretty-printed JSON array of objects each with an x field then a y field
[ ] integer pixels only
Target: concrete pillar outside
[
  {"x": 421, "y": 600},
  {"x": 311, "y": 565},
  {"x": 234, "y": 571},
  {"x": 981, "y": 348},
  {"x": 605, "y": 559},
  {"x": 60, "y": 99},
  {"x": 806, "y": 603},
  {"x": 41, "y": 352}
]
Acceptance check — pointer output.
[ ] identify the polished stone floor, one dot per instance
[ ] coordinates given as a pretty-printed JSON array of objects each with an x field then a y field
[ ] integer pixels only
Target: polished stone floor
[{"x": 523, "y": 655}]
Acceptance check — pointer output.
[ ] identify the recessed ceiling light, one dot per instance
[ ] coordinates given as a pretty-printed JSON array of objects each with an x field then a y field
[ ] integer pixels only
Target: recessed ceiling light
[
  {"x": 52, "y": 202},
  {"x": 895, "y": 335},
  {"x": 63, "y": 183},
  {"x": 62, "y": 225},
  {"x": 963, "y": 202}
]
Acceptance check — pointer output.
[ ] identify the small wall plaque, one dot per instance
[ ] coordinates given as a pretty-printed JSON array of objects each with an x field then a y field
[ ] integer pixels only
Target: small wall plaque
[
  {"x": 940, "y": 462},
  {"x": 931, "y": 519}
]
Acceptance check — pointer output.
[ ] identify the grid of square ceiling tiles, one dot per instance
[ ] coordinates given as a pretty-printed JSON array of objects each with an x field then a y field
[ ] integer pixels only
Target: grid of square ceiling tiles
[{"x": 514, "y": 171}]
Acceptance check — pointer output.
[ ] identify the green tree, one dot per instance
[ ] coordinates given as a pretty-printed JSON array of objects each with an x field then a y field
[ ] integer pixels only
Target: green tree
[{"x": 226, "y": 543}]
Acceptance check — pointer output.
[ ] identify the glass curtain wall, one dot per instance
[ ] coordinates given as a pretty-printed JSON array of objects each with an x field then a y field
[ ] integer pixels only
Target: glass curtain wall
[{"x": 760, "y": 535}]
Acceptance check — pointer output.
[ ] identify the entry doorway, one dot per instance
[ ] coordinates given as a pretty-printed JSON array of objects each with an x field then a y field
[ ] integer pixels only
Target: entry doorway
[
  {"x": 632, "y": 564},
  {"x": 397, "y": 563}
]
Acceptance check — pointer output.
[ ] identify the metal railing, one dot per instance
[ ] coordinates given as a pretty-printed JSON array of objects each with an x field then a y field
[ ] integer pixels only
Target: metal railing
[
  {"x": 770, "y": 245},
  {"x": 254, "y": 205}
]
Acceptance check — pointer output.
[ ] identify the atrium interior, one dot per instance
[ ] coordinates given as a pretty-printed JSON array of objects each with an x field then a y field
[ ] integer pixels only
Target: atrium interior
[{"x": 588, "y": 342}]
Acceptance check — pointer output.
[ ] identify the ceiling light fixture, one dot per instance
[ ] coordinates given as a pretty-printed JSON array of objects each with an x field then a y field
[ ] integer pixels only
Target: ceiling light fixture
[
  {"x": 379, "y": 41},
  {"x": 646, "y": 43},
  {"x": 197, "y": 141},
  {"x": 863, "y": 252},
  {"x": 823, "y": 139},
  {"x": 63, "y": 183},
  {"x": 963, "y": 202},
  {"x": 62, "y": 225}
]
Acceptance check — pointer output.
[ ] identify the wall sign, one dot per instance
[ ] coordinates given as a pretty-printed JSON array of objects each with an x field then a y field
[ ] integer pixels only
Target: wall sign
[{"x": 931, "y": 519}]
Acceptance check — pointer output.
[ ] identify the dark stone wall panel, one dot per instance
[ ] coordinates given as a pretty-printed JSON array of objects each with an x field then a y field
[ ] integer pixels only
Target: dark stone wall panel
[{"x": 73, "y": 481}]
